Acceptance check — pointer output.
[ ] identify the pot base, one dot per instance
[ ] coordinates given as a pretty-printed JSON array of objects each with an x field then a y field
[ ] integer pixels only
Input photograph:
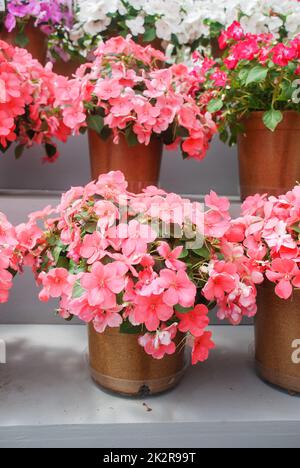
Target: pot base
[
  {"x": 136, "y": 388},
  {"x": 284, "y": 382},
  {"x": 120, "y": 365},
  {"x": 277, "y": 338}
]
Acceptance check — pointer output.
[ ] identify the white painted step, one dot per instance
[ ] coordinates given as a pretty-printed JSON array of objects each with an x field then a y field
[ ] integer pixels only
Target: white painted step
[{"x": 48, "y": 400}]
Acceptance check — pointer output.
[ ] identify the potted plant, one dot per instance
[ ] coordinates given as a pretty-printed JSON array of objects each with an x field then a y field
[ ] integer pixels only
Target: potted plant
[
  {"x": 132, "y": 107},
  {"x": 272, "y": 243},
  {"x": 131, "y": 266},
  {"x": 263, "y": 247},
  {"x": 253, "y": 95},
  {"x": 27, "y": 23},
  {"x": 28, "y": 110}
]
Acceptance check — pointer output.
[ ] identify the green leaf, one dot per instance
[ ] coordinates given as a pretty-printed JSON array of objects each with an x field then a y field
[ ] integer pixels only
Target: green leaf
[
  {"x": 21, "y": 39},
  {"x": 243, "y": 75},
  {"x": 272, "y": 119},
  {"x": 131, "y": 137},
  {"x": 215, "y": 105},
  {"x": 257, "y": 75},
  {"x": 150, "y": 35},
  {"x": 203, "y": 252},
  {"x": 96, "y": 123},
  {"x": 78, "y": 290},
  {"x": 128, "y": 329},
  {"x": 56, "y": 253},
  {"x": 63, "y": 262},
  {"x": 90, "y": 228},
  {"x": 184, "y": 254},
  {"x": 183, "y": 310},
  {"x": 296, "y": 228}
]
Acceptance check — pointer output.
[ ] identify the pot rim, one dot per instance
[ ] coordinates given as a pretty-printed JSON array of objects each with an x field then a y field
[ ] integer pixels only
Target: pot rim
[{"x": 254, "y": 121}]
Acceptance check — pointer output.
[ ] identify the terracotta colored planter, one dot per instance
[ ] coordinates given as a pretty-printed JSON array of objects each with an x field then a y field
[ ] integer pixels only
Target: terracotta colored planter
[
  {"x": 269, "y": 161},
  {"x": 37, "y": 45},
  {"x": 277, "y": 339},
  {"x": 156, "y": 44},
  {"x": 140, "y": 164},
  {"x": 215, "y": 49},
  {"x": 67, "y": 69},
  {"x": 119, "y": 364}
]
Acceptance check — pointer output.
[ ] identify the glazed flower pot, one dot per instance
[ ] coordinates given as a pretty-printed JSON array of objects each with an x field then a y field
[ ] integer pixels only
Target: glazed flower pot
[
  {"x": 277, "y": 339},
  {"x": 119, "y": 364},
  {"x": 140, "y": 164},
  {"x": 37, "y": 45},
  {"x": 269, "y": 161}
]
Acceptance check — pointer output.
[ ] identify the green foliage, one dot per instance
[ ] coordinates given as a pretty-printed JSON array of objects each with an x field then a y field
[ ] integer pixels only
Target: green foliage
[
  {"x": 96, "y": 123},
  {"x": 128, "y": 329},
  {"x": 251, "y": 86},
  {"x": 272, "y": 119}
]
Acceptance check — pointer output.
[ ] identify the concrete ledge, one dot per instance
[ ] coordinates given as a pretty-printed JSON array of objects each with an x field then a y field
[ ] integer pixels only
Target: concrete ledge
[{"x": 47, "y": 399}]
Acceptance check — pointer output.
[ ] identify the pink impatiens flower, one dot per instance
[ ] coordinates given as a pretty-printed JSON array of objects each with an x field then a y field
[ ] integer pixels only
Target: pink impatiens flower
[
  {"x": 171, "y": 256},
  {"x": 286, "y": 274},
  {"x": 201, "y": 348},
  {"x": 104, "y": 283},
  {"x": 108, "y": 318},
  {"x": 179, "y": 288},
  {"x": 55, "y": 283},
  {"x": 161, "y": 343},
  {"x": 222, "y": 281},
  {"x": 194, "y": 322},
  {"x": 93, "y": 247},
  {"x": 5, "y": 285},
  {"x": 150, "y": 311}
]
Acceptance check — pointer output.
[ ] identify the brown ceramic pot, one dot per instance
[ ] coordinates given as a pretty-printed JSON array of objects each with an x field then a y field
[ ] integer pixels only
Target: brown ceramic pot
[
  {"x": 277, "y": 338},
  {"x": 67, "y": 69},
  {"x": 269, "y": 161},
  {"x": 140, "y": 164},
  {"x": 119, "y": 364},
  {"x": 37, "y": 45}
]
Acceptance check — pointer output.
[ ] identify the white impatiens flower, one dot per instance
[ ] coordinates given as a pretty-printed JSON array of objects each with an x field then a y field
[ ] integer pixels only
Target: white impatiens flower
[
  {"x": 136, "y": 26},
  {"x": 184, "y": 22},
  {"x": 279, "y": 17}
]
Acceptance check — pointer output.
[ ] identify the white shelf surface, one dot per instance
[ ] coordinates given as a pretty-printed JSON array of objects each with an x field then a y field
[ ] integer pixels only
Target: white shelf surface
[{"x": 47, "y": 398}]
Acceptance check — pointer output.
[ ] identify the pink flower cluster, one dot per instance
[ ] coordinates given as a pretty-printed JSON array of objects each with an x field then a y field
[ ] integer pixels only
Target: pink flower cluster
[
  {"x": 262, "y": 245},
  {"x": 256, "y": 72},
  {"x": 260, "y": 47},
  {"x": 138, "y": 262},
  {"x": 27, "y": 97},
  {"x": 272, "y": 241},
  {"x": 8, "y": 243},
  {"x": 15, "y": 243},
  {"x": 125, "y": 91}
]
